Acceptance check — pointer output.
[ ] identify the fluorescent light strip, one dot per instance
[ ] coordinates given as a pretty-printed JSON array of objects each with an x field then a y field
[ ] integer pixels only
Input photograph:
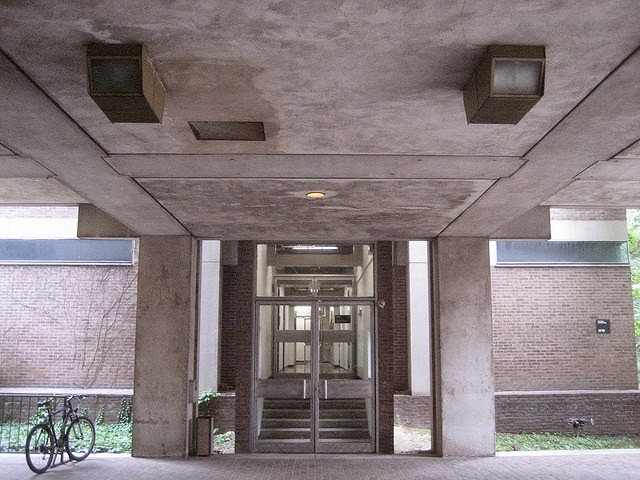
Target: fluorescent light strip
[{"x": 311, "y": 247}]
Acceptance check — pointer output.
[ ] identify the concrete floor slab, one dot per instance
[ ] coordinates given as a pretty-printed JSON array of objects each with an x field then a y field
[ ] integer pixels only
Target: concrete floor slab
[{"x": 619, "y": 465}]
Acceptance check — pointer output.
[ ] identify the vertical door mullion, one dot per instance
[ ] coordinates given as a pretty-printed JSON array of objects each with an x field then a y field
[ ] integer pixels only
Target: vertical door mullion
[{"x": 315, "y": 373}]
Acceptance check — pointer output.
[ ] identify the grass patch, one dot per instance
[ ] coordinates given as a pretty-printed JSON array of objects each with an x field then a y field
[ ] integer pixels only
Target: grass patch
[
  {"x": 115, "y": 438},
  {"x": 508, "y": 442},
  {"x": 13, "y": 436},
  {"x": 224, "y": 442}
]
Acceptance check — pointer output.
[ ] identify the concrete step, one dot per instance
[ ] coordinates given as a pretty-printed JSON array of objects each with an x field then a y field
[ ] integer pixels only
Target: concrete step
[
  {"x": 286, "y": 423},
  {"x": 344, "y": 433},
  {"x": 290, "y": 420},
  {"x": 284, "y": 413},
  {"x": 306, "y": 423},
  {"x": 286, "y": 403},
  {"x": 343, "y": 413},
  {"x": 343, "y": 404},
  {"x": 344, "y": 423},
  {"x": 284, "y": 433}
]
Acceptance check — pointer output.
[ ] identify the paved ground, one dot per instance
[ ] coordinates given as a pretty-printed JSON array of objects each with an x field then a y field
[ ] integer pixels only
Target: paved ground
[{"x": 611, "y": 465}]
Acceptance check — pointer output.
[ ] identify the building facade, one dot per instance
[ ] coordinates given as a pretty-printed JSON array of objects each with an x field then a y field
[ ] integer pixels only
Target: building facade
[{"x": 260, "y": 305}]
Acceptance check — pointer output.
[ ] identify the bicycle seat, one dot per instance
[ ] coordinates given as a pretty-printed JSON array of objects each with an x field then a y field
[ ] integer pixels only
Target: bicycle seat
[{"x": 44, "y": 403}]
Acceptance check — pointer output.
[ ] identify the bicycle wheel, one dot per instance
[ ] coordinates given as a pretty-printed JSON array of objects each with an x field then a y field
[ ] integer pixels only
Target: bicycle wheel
[
  {"x": 39, "y": 448},
  {"x": 81, "y": 437}
]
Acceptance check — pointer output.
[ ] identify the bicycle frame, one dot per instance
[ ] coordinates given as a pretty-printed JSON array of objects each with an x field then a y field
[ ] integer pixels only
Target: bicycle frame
[
  {"x": 68, "y": 415},
  {"x": 76, "y": 435}
]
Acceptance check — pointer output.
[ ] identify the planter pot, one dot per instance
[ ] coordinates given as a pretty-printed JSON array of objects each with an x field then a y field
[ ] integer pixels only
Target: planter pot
[{"x": 204, "y": 436}]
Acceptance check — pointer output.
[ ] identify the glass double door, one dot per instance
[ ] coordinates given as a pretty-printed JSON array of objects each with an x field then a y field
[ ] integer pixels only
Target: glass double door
[{"x": 315, "y": 388}]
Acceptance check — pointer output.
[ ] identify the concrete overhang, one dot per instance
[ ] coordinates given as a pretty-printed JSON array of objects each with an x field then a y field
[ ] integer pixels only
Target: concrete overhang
[{"x": 361, "y": 100}]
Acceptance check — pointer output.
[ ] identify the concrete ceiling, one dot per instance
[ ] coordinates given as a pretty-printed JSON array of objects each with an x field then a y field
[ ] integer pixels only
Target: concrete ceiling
[{"x": 362, "y": 99}]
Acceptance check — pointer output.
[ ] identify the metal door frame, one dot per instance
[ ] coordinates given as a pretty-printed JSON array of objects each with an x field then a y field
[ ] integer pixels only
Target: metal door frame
[{"x": 313, "y": 389}]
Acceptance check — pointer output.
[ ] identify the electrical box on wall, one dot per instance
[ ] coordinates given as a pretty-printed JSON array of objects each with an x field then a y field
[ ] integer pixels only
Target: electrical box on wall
[{"x": 603, "y": 326}]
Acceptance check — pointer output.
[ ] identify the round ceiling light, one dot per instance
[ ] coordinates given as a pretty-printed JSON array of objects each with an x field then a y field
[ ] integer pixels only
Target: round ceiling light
[{"x": 315, "y": 195}]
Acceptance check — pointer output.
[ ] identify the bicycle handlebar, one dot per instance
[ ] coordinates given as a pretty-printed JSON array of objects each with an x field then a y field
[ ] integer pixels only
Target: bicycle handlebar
[{"x": 67, "y": 401}]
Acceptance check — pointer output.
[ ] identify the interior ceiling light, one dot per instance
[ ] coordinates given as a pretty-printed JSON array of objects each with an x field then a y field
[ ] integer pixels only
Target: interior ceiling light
[
  {"x": 234, "y": 131},
  {"x": 312, "y": 247},
  {"x": 315, "y": 194},
  {"x": 124, "y": 83},
  {"x": 507, "y": 83}
]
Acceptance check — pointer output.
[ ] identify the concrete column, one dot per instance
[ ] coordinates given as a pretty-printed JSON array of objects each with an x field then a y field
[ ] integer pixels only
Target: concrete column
[
  {"x": 164, "y": 358},
  {"x": 463, "y": 339},
  {"x": 419, "y": 315},
  {"x": 209, "y": 317}
]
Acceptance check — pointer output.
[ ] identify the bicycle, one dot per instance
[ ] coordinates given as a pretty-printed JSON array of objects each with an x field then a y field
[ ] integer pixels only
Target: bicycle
[{"x": 77, "y": 436}]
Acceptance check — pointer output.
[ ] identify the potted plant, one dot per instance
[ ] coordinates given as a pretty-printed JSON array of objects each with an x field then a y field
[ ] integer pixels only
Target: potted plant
[{"x": 204, "y": 422}]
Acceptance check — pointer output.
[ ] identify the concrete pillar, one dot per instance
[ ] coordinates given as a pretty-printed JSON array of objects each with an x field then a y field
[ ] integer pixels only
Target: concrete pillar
[
  {"x": 464, "y": 388},
  {"x": 164, "y": 360},
  {"x": 419, "y": 315},
  {"x": 209, "y": 317}
]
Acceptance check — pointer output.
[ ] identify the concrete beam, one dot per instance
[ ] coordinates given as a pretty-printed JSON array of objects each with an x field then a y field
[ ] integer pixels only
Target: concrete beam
[
  {"x": 94, "y": 223},
  {"x": 533, "y": 225},
  {"x": 73, "y": 157},
  {"x": 15, "y": 166},
  {"x": 316, "y": 166},
  {"x": 463, "y": 342},
  {"x": 603, "y": 124}
]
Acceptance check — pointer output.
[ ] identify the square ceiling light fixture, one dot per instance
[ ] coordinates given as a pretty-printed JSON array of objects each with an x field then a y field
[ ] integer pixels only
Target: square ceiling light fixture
[
  {"x": 507, "y": 83},
  {"x": 124, "y": 83}
]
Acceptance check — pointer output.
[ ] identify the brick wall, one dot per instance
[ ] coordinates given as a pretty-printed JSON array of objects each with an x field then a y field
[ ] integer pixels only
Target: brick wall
[
  {"x": 544, "y": 328},
  {"x": 244, "y": 293},
  {"x": 400, "y": 329},
  {"x": 228, "y": 315},
  {"x": 385, "y": 346},
  {"x": 224, "y": 412},
  {"x": 613, "y": 412},
  {"x": 533, "y": 412},
  {"x": 413, "y": 411},
  {"x": 67, "y": 326}
]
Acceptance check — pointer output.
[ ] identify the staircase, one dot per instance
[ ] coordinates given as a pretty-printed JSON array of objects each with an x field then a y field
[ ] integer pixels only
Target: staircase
[{"x": 289, "y": 420}]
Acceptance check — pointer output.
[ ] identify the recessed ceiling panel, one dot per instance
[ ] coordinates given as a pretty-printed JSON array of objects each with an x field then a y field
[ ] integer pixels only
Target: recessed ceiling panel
[
  {"x": 279, "y": 210},
  {"x": 230, "y": 131}
]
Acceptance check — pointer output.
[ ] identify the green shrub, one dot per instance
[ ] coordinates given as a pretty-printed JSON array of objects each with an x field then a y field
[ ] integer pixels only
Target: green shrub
[
  {"x": 114, "y": 438},
  {"x": 125, "y": 411},
  {"x": 205, "y": 401},
  {"x": 100, "y": 416}
]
